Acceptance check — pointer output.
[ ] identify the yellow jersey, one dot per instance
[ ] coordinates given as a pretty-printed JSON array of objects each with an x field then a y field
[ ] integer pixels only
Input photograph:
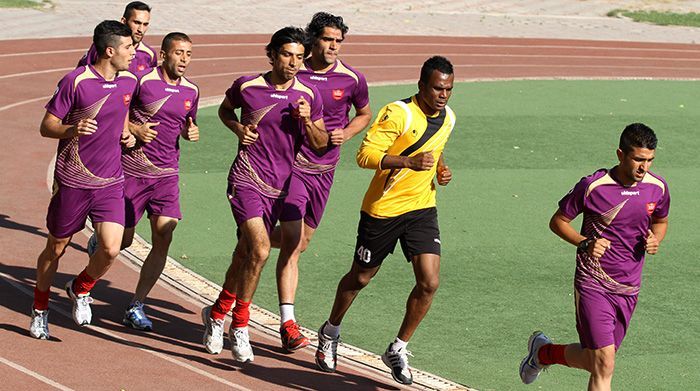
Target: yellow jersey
[{"x": 402, "y": 129}]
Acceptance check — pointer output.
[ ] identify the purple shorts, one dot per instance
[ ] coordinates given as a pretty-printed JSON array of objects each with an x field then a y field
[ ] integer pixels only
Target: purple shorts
[
  {"x": 307, "y": 197},
  {"x": 70, "y": 207},
  {"x": 602, "y": 318},
  {"x": 247, "y": 203},
  {"x": 157, "y": 196}
]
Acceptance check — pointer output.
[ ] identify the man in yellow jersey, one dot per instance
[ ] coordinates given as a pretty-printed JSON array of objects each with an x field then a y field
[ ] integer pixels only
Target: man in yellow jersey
[{"x": 403, "y": 145}]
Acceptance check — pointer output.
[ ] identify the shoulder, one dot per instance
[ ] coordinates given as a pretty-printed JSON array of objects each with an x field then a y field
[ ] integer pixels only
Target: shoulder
[
  {"x": 148, "y": 74},
  {"x": 143, "y": 47},
  {"x": 185, "y": 82},
  {"x": 244, "y": 82},
  {"x": 349, "y": 71},
  {"x": 127, "y": 76},
  {"x": 656, "y": 180},
  {"x": 306, "y": 88}
]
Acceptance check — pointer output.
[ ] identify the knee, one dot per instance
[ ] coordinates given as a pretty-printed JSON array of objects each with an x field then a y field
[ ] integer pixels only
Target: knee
[
  {"x": 110, "y": 251},
  {"x": 428, "y": 286},
  {"x": 55, "y": 251},
  {"x": 259, "y": 255},
  {"x": 303, "y": 244},
  {"x": 361, "y": 280}
]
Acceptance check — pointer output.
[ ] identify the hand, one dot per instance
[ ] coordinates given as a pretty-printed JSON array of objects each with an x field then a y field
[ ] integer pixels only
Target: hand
[
  {"x": 128, "y": 140},
  {"x": 85, "y": 127},
  {"x": 145, "y": 132},
  {"x": 247, "y": 134},
  {"x": 191, "y": 131},
  {"x": 422, "y": 161},
  {"x": 303, "y": 110},
  {"x": 652, "y": 243},
  {"x": 444, "y": 175},
  {"x": 597, "y": 248},
  {"x": 337, "y": 137}
]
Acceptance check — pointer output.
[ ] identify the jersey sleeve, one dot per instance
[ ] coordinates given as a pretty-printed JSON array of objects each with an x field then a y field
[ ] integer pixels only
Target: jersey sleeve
[
  {"x": 664, "y": 204},
  {"x": 380, "y": 136},
  {"x": 360, "y": 98},
  {"x": 571, "y": 205},
  {"x": 62, "y": 99},
  {"x": 193, "y": 111},
  {"x": 233, "y": 94}
]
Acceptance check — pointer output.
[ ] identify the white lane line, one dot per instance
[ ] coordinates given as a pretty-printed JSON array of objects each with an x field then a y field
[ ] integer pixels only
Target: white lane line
[
  {"x": 24, "y": 102},
  {"x": 21, "y": 74},
  {"x": 33, "y": 374},
  {"x": 110, "y": 334}
]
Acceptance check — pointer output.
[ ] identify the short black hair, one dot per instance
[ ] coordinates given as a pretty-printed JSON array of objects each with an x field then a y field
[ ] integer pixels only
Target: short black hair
[
  {"x": 107, "y": 34},
  {"x": 321, "y": 20},
  {"x": 135, "y": 6},
  {"x": 284, "y": 36},
  {"x": 171, "y": 37},
  {"x": 435, "y": 63},
  {"x": 637, "y": 135}
]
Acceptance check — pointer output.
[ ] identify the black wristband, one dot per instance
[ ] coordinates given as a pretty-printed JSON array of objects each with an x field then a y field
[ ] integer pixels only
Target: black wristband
[{"x": 583, "y": 245}]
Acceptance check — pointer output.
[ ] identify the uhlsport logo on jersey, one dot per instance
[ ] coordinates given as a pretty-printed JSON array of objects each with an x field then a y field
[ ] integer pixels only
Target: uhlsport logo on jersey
[
  {"x": 127, "y": 99},
  {"x": 650, "y": 207},
  {"x": 188, "y": 104},
  {"x": 338, "y": 94}
]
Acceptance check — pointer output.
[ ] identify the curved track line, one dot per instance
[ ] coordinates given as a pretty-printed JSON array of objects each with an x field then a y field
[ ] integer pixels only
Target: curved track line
[{"x": 33, "y": 374}]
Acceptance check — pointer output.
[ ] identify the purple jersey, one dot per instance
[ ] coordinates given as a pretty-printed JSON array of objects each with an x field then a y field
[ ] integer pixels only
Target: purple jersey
[
  {"x": 622, "y": 215},
  {"x": 91, "y": 162},
  {"x": 144, "y": 58},
  {"x": 267, "y": 163},
  {"x": 341, "y": 87},
  {"x": 171, "y": 105}
]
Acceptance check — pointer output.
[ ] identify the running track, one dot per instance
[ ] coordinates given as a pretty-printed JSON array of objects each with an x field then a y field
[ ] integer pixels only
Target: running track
[{"x": 109, "y": 356}]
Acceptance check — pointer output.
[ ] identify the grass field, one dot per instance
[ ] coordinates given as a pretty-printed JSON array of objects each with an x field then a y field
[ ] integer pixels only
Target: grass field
[
  {"x": 517, "y": 148},
  {"x": 662, "y": 18}
]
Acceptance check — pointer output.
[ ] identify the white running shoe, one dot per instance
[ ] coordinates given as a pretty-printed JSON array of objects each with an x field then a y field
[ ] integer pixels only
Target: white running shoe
[
  {"x": 39, "y": 325},
  {"x": 530, "y": 367},
  {"x": 213, "y": 332},
  {"x": 82, "y": 314},
  {"x": 327, "y": 351},
  {"x": 398, "y": 362},
  {"x": 240, "y": 344}
]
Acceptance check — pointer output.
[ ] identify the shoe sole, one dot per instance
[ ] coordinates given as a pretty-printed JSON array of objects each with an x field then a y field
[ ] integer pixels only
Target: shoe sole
[
  {"x": 84, "y": 323},
  {"x": 323, "y": 367},
  {"x": 530, "y": 346},
  {"x": 386, "y": 362},
  {"x": 205, "y": 316}
]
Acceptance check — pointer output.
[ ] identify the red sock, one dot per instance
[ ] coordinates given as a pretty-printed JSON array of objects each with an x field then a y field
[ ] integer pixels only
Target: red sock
[
  {"x": 552, "y": 354},
  {"x": 83, "y": 283},
  {"x": 241, "y": 314},
  {"x": 223, "y": 304},
  {"x": 41, "y": 299}
]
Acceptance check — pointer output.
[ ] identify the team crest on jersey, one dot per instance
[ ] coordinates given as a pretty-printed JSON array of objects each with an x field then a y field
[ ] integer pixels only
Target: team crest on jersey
[
  {"x": 650, "y": 207},
  {"x": 127, "y": 99},
  {"x": 141, "y": 67},
  {"x": 338, "y": 94},
  {"x": 188, "y": 104}
]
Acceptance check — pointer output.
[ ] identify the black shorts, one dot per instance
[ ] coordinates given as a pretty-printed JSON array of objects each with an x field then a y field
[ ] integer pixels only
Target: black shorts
[{"x": 417, "y": 230}]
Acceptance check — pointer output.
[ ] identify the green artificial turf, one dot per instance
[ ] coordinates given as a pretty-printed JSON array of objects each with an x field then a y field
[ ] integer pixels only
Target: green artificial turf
[
  {"x": 663, "y": 18},
  {"x": 21, "y": 3},
  {"x": 517, "y": 148}
]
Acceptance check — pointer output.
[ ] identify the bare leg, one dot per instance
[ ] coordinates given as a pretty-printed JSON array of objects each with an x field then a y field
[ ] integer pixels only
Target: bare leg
[
  {"x": 47, "y": 262},
  {"x": 426, "y": 268},
  {"x": 128, "y": 237},
  {"x": 348, "y": 288},
  {"x": 162, "y": 228},
  {"x": 254, "y": 233},
  {"x": 109, "y": 237},
  {"x": 599, "y": 362},
  {"x": 295, "y": 238}
]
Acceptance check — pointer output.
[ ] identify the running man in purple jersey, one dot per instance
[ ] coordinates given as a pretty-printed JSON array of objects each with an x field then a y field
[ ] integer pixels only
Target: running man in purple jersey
[
  {"x": 89, "y": 115},
  {"x": 341, "y": 88},
  {"x": 164, "y": 108},
  {"x": 137, "y": 16},
  {"x": 625, "y": 214},
  {"x": 278, "y": 113}
]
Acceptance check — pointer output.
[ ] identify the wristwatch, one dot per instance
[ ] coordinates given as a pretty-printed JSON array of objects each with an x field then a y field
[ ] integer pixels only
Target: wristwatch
[{"x": 583, "y": 245}]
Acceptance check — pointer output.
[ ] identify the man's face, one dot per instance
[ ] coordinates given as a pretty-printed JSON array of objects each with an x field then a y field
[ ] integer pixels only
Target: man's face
[
  {"x": 286, "y": 62},
  {"x": 436, "y": 92},
  {"x": 635, "y": 163},
  {"x": 138, "y": 22},
  {"x": 327, "y": 46},
  {"x": 122, "y": 54},
  {"x": 177, "y": 58}
]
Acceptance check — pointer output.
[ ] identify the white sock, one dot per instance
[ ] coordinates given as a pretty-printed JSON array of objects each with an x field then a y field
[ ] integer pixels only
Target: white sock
[
  {"x": 331, "y": 330},
  {"x": 287, "y": 312},
  {"x": 398, "y": 345}
]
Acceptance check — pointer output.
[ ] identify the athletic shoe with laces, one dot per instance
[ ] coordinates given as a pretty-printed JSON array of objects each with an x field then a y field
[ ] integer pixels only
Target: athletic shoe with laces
[
  {"x": 135, "y": 317},
  {"x": 39, "y": 325},
  {"x": 82, "y": 314},
  {"x": 240, "y": 344},
  {"x": 530, "y": 367},
  {"x": 213, "y": 332},
  {"x": 327, "y": 351},
  {"x": 398, "y": 362},
  {"x": 92, "y": 245},
  {"x": 292, "y": 338}
]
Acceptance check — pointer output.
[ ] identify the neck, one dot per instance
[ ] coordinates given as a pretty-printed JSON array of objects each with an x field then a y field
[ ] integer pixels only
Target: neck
[
  {"x": 424, "y": 107},
  {"x": 318, "y": 65},
  {"x": 279, "y": 82},
  {"x": 170, "y": 79},
  {"x": 624, "y": 181},
  {"x": 105, "y": 68}
]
